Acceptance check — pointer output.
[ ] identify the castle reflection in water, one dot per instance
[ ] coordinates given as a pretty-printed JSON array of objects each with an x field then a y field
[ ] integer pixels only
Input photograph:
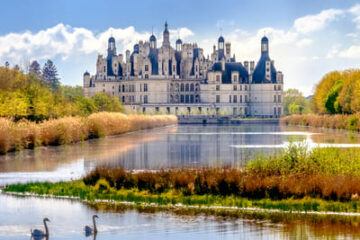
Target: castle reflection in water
[{"x": 197, "y": 145}]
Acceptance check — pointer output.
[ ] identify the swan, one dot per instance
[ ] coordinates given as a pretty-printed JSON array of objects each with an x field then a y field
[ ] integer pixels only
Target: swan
[
  {"x": 89, "y": 230},
  {"x": 39, "y": 234}
]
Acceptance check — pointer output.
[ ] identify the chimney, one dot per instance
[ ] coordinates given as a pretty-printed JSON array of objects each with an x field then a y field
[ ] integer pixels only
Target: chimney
[
  {"x": 252, "y": 66},
  {"x": 228, "y": 50},
  {"x": 246, "y": 65}
]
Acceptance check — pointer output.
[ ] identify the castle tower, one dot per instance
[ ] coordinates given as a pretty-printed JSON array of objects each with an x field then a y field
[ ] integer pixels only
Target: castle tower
[
  {"x": 221, "y": 42},
  {"x": 264, "y": 46},
  {"x": 178, "y": 45},
  {"x": 152, "y": 41},
  {"x": 166, "y": 36},
  {"x": 111, "y": 47}
]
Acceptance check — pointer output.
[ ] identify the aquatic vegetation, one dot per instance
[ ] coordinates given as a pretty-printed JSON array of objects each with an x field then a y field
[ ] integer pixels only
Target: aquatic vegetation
[
  {"x": 27, "y": 134},
  {"x": 337, "y": 121}
]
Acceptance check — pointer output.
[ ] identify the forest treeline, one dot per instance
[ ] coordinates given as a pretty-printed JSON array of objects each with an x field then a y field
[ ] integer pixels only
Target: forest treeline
[{"x": 39, "y": 95}]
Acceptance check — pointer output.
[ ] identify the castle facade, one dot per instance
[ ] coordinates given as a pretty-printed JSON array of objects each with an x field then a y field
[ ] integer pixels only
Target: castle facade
[{"x": 182, "y": 80}]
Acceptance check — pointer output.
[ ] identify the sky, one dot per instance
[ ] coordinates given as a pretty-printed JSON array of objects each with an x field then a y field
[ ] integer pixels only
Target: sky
[{"x": 308, "y": 38}]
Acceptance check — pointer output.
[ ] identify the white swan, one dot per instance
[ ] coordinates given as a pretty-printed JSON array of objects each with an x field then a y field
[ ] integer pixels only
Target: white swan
[
  {"x": 39, "y": 234},
  {"x": 91, "y": 230}
]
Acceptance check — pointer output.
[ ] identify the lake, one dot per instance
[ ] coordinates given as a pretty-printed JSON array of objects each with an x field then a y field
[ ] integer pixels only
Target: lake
[{"x": 173, "y": 146}]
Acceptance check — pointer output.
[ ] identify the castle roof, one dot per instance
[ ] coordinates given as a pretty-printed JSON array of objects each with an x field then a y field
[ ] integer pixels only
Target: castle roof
[
  {"x": 152, "y": 38},
  {"x": 178, "y": 41},
  {"x": 86, "y": 73},
  {"x": 111, "y": 39},
  {"x": 232, "y": 67},
  {"x": 221, "y": 39},
  {"x": 259, "y": 72}
]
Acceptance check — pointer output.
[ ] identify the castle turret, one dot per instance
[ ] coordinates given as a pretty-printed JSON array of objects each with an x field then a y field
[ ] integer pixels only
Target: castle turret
[
  {"x": 111, "y": 47},
  {"x": 166, "y": 36},
  {"x": 152, "y": 41},
  {"x": 178, "y": 45},
  {"x": 265, "y": 46},
  {"x": 221, "y": 42},
  {"x": 86, "y": 79}
]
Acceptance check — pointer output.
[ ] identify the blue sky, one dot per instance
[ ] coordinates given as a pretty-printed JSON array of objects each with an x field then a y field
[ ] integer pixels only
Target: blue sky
[{"x": 307, "y": 38}]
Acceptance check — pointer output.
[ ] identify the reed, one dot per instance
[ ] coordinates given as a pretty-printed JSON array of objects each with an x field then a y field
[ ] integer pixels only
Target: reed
[
  {"x": 335, "y": 121},
  {"x": 26, "y": 134}
]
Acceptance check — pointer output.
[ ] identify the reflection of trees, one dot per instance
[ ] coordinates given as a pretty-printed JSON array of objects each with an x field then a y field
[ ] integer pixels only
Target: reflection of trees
[{"x": 99, "y": 150}]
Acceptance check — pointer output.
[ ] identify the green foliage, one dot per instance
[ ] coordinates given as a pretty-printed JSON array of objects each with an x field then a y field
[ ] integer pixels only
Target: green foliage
[
  {"x": 338, "y": 92},
  {"x": 27, "y": 96},
  {"x": 106, "y": 103},
  {"x": 295, "y": 102}
]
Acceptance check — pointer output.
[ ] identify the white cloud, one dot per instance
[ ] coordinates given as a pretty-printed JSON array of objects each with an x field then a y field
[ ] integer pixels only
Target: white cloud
[
  {"x": 64, "y": 40},
  {"x": 304, "y": 42},
  {"x": 355, "y": 10},
  {"x": 351, "y": 52},
  {"x": 334, "y": 51},
  {"x": 312, "y": 23}
]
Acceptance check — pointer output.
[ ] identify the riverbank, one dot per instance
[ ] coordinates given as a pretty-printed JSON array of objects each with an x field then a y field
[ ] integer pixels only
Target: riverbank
[
  {"x": 25, "y": 134},
  {"x": 336, "y": 121}
]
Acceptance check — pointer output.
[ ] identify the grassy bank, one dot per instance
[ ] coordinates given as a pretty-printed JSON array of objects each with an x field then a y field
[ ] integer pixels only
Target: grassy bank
[
  {"x": 321, "y": 179},
  {"x": 336, "y": 121},
  {"x": 27, "y": 134}
]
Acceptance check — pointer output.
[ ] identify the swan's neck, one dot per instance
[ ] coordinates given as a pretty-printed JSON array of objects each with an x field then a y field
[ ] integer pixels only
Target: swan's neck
[
  {"x": 94, "y": 222},
  {"x": 46, "y": 229}
]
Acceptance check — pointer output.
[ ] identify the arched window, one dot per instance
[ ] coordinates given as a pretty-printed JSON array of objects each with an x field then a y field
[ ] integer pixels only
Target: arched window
[
  {"x": 187, "y": 87},
  {"x": 192, "y": 87},
  {"x": 123, "y": 99},
  {"x": 123, "y": 88}
]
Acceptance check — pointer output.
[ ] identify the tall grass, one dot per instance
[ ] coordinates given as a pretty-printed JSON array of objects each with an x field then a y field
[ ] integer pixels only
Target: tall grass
[
  {"x": 26, "y": 134},
  {"x": 336, "y": 121},
  {"x": 326, "y": 173}
]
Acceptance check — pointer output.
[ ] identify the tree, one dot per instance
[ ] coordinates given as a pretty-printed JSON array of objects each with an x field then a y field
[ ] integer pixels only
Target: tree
[
  {"x": 35, "y": 69},
  {"x": 105, "y": 103},
  {"x": 50, "y": 75},
  {"x": 295, "y": 102}
]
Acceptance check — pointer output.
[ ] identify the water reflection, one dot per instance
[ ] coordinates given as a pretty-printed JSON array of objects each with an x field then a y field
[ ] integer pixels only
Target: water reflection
[
  {"x": 175, "y": 146},
  {"x": 19, "y": 215}
]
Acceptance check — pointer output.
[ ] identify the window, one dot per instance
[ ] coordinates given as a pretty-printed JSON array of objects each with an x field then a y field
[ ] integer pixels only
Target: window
[
  {"x": 217, "y": 78},
  {"x": 182, "y": 87},
  {"x": 274, "y": 87},
  {"x": 240, "y": 98},
  {"x": 234, "y": 111},
  {"x": 145, "y": 99},
  {"x": 235, "y": 78},
  {"x": 279, "y": 87},
  {"x": 274, "y": 110},
  {"x": 217, "y": 98},
  {"x": 235, "y": 87},
  {"x": 246, "y": 98},
  {"x": 123, "y": 88},
  {"x": 245, "y": 87},
  {"x": 144, "y": 110},
  {"x": 145, "y": 87},
  {"x": 156, "y": 109},
  {"x": 187, "y": 87},
  {"x": 235, "y": 99},
  {"x": 104, "y": 69},
  {"x": 217, "y": 87},
  {"x": 146, "y": 76},
  {"x": 240, "y": 87},
  {"x": 191, "y": 98},
  {"x": 123, "y": 99},
  {"x": 274, "y": 98},
  {"x": 168, "y": 109},
  {"x": 187, "y": 99},
  {"x": 279, "y": 98},
  {"x": 192, "y": 87},
  {"x": 229, "y": 98},
  {"x": 146, "y": 68},
  {"x": 279, "y": 111},
  {"x": 182, "y": 98}
]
